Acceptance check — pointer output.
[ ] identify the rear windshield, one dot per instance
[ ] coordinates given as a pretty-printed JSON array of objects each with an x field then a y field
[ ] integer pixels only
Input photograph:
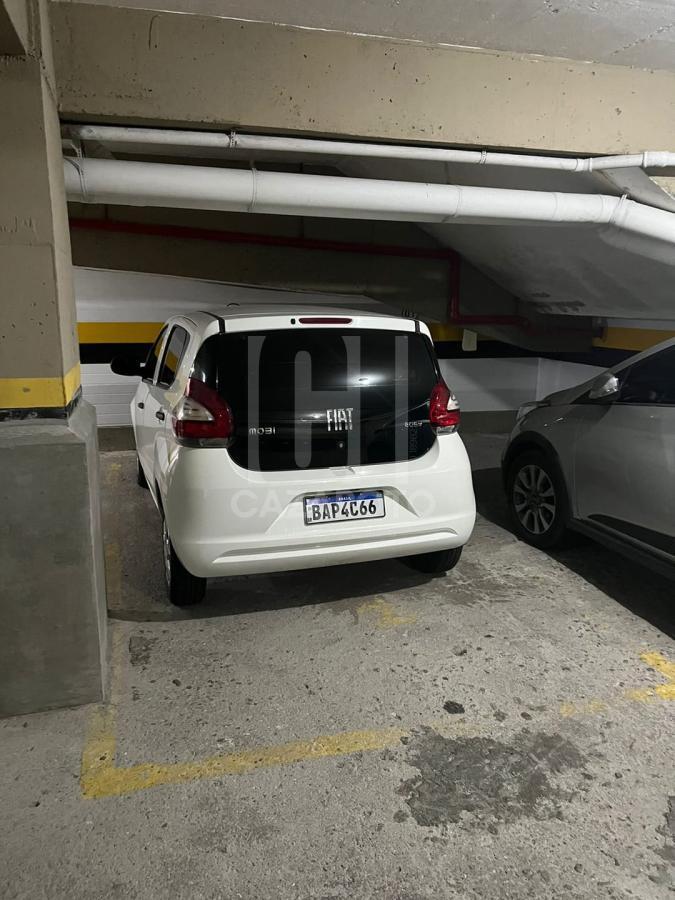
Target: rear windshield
[{"x": 313, "y": 397}]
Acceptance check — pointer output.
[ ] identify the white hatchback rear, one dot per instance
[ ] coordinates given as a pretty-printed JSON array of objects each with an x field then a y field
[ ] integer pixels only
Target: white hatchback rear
[{"x": 288, "y": 439}]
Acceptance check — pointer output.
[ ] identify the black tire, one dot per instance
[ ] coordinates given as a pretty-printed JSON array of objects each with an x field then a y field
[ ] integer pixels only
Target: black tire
[
  {"x": 182, "y": 587},
  {"x": 141, "y": 480},
  {"x": 434, "y": 563},
  {"x": 538, "y": 501}
]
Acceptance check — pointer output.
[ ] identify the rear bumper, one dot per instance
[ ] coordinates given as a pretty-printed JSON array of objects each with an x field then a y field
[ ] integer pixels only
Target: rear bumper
[
  {"x": 282, "y": 558},
  {"x": 225, "y": 520}
]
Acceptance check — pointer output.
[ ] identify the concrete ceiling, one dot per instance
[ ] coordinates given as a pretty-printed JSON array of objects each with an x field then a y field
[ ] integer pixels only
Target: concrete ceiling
[
  {"x": 621, "y": 32},
  {"x": 564, "y": 269}
]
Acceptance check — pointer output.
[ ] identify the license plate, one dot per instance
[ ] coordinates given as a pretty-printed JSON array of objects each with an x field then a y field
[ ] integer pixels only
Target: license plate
[{"x": 344, "y": 507}]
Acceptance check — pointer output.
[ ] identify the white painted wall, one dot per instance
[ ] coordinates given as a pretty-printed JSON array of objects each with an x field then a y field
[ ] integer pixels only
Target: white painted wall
[
  {"x": 554, "y": 375},
  {"x": 107, "y": 295},
  {"x": 110, "y": 394},
  {"x": 491, "y": 384},
  {"x": 487, "y": 385}
]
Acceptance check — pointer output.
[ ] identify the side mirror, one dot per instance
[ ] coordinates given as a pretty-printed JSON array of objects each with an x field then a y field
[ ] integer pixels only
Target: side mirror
[
  {"x": 605, "y": 387},
  {"x": 127, "y": 365}
]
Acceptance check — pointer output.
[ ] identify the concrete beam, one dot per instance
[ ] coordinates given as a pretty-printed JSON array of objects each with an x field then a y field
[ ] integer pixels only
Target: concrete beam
[
  {"x": 14, "y": 28},
  {"x": 138, "y": 65}
]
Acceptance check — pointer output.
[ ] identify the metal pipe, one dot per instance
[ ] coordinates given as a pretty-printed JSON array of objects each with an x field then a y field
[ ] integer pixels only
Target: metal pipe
[
  {"x": 219, "y": 145},
  {"x": 239, "y": 190}
]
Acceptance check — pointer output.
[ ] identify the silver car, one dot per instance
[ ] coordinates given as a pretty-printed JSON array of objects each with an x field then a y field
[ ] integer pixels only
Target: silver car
[{"x": 599, "y": 458}]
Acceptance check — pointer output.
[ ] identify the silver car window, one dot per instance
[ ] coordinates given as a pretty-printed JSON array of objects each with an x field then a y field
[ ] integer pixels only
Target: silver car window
[
  {"x": 153, "y": 356},
  {"x": 650, "y": 381},
  {"x": 175, "y": 347}
]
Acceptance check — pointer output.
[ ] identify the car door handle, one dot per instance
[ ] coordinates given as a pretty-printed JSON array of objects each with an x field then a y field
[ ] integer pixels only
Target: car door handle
[
  {"x": 141, "y": 405},
  {"x": 160, "y": 415}
]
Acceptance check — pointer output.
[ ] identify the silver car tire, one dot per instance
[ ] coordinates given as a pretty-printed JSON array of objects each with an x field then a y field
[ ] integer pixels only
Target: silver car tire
[{"x": 537, "y": 499}]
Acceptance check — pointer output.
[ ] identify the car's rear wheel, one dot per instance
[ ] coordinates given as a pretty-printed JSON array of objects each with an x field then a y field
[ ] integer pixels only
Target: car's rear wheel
[
  {"x": 141, "y": 480},
  {"x": 183, "y": 588},
  {"x": 434, "y": 563},
  {"x": 537, "y": 500}
]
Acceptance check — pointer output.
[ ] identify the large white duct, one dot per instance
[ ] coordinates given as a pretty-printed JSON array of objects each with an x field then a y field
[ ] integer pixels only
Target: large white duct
[{"x": 237, "y": 190}]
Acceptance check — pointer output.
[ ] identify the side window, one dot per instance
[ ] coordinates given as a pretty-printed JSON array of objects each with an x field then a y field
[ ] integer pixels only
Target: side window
[
  {"x": 153, "y": 357},
  {"x": 175, "y": 347},
  {"x": 651, "y": 381}
]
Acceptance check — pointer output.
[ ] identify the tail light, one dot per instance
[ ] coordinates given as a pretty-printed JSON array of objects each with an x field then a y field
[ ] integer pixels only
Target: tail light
[
  {"x": 202, "y": 416},
  {"x": 443, "y": 408}
]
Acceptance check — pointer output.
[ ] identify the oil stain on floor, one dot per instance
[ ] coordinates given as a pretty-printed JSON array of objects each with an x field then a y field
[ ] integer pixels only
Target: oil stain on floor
[
  {"x": 140, "y": 648},
  {"x": 487, "y": 780},
  {"x": 668, "y": 832}
]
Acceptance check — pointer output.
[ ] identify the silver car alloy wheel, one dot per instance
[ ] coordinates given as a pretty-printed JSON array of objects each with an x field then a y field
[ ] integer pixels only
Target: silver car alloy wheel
[
  {"x": 166, "y": 548},
  {"x": 534, "y": 499}
]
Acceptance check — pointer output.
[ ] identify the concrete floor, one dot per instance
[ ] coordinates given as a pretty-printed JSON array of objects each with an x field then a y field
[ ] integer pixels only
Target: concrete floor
[{"x": 363, "y": 732}]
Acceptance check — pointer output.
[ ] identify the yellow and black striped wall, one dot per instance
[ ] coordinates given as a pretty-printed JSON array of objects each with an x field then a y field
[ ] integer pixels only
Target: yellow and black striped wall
[{"x": 101, "y": 341}]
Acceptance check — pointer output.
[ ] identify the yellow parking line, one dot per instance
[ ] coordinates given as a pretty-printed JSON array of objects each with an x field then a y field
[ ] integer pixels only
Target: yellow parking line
[
  {"x": 113, "y": 574},
  {"x": 98, "y": 755},
  {"x": 660, "y": 663},
  {"x": 386, "y": 615},
  {"x": 100, "y": 777},
  {"x": 587, "y": 707},
  {"x": 661, "y": 691},
  {"x": 654, "y": 660}
]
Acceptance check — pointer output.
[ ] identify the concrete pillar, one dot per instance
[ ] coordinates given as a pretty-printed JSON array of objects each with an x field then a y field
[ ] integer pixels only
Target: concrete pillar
[{"x": 52, "y": 592}]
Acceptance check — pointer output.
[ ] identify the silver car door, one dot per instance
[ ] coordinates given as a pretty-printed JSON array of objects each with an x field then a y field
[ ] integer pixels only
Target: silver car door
[{"x": 625, "y": 455}]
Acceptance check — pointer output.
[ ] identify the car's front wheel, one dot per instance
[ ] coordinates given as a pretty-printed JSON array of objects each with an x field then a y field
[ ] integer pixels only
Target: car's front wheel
[
  {"x": 537, "y": 500},
  {"x": 434, "y": 563},
  {"x": 183, "y": 588}
]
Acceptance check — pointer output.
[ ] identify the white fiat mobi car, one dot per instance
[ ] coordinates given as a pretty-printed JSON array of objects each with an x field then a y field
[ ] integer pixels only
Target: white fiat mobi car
[{"x": 276, "y": 438}]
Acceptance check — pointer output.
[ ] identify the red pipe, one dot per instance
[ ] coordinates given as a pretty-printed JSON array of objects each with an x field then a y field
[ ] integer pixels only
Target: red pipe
[
  {"x": 272, "y": 240},
  {"x": 455, "y": 316},
  {"x": 267, "y": 240}
]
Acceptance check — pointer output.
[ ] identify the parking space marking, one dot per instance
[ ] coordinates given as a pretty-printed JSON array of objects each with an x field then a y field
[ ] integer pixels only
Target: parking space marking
[
  {"x": 654, "y": 660},
  {"x": 113, "y": 573},
  {"x": 112, "y": 473},
  {"x": 590, "y": 707},
  {"x": 660, "y": 664},
  {"x": 385, "y": 614},
  {"x": 100, "y": 777}
]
